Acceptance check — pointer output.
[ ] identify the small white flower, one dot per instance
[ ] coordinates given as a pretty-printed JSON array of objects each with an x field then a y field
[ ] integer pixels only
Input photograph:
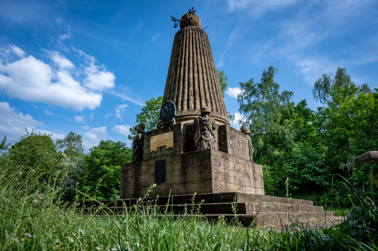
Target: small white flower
[
  {"x": 27, "y": 235},
  {"x": 81, "y": 231}
]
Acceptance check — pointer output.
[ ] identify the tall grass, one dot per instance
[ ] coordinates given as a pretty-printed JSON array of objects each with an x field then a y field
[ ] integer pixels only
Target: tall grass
[{"x": 32, "y": 220}]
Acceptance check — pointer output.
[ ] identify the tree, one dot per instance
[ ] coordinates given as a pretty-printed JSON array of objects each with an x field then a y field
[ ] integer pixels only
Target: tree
[
  {"x": 102, "y": 169},
  {"x": 149, "y": 115},
  {"x": 4, "y": 145},
  {"x": 71, "y": 145},
  {"x": 35, "y": 160},
  {"x": 223, "y": 80},
  {"x": 72, "y": 150},
  {"x": 267, "y": 115},
  {"x": 348, "y": 119},
  {"x": 347, "y": 125}
]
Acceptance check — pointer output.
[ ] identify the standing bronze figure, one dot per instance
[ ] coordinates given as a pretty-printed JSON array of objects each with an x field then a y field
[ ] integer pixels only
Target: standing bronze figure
[
  {"x": 204, "y": 131},
  {"x": 138, "y": 143}
]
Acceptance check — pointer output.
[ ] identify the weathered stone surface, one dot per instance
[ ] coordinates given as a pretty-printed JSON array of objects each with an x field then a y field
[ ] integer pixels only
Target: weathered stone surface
[
  {"x": 369, "y": 157},
  {"x": 233, "y": 141},
  {"x": 194, "y": 172},
  {"x": 192, "y": 80},
  {"x": 264, "y": 210}
]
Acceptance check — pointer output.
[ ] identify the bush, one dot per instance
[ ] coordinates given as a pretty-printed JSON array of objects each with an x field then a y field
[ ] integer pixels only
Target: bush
[{"x": 33, "y": 160}]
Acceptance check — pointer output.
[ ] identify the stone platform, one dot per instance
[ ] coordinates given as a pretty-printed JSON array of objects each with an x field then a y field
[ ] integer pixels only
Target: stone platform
[
  {"x": 259, "y": 210},
  {"x": 171, "y": 162}
]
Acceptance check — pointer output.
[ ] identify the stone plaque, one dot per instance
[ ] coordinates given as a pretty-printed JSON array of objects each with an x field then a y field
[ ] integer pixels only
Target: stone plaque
[
  {"x": 165, "y": 139},
  {"x": 160, "y": 171}
]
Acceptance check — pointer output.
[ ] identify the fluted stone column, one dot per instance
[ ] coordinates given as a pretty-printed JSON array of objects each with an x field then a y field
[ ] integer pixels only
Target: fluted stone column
[{"x": 192, "y": 80}]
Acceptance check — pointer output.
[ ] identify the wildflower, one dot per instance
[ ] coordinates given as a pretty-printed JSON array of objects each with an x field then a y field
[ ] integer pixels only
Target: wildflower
[
  {"x": 81, "y": 231},
  {"x": 98, "y": 248},
  {"x": 137, "y": 244},
  {"x": 14, "y": 239},
  {"x": 70, "y": 239},
  {"x": 86, "y": 245},
  {"x": 22, "y": 239},
  {"x": 27, "y": 235},
  {"x": 114, "y": 249},
  {"x": 73, "y": 234}
]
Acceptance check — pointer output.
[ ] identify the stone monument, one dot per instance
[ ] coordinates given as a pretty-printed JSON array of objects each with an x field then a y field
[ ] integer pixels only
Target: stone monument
[{"x": 194, "y": 150}]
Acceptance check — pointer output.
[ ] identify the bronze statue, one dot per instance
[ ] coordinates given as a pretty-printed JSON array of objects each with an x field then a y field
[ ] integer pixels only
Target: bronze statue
[
  {"x": 204, "y": 131},
  {"x": 167, "y": 114},
  {"x": 138, "y": 143},
  {"x": 246, "y": 131}
]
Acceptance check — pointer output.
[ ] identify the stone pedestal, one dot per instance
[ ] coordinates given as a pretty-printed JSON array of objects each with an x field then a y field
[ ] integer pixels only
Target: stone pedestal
[{"x": 171, "y": 162}]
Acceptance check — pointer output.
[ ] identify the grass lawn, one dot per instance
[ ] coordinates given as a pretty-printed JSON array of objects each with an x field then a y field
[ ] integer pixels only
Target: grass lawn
[{"x": 38, "y": 221}]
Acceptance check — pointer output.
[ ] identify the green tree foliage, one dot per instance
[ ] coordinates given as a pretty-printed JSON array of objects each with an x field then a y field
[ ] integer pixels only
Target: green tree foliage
[
  {"x": 4, "y": 145},
  {"x": 149, "y": 115},
  {"x": 71, "y": 145},
  {"x": 304, "y": 165},
  {"x": 102, "y": 169},
  {"x": 223, "y": 80},
  {"x": 72, "y": 150},
  {"x": 308, "y": 147},
  {"x": 267, "y": 113},
  {"x": 348, "y": 123},
  {"x": 34, "y": 159}
]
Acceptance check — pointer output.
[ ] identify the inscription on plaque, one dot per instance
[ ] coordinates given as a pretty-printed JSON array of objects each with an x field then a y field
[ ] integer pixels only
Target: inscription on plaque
[
  {"x": 160, "y": 171},
  {"x": 165, "y": 139}
]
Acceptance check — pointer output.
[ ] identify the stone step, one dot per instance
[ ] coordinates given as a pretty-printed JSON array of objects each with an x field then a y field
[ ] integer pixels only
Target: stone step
[
  {"x": 243, "y": 197},
  {"x": 203, "y": 198},
  {"x": 221, "y": 208},
  {"x": 274, "y": 219},
  {"x": 270, "y": 210},
  {"x": 262, "y": 219}
]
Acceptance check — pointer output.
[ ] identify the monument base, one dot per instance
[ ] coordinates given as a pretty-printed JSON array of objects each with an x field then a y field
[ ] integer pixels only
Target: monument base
[
  {"x": 207, "y": 171},
  {"x": 171, "y": 162}
]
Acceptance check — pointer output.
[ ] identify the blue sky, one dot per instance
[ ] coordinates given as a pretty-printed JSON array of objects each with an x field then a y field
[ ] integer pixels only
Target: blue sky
[{"x": 89, "y": 66}]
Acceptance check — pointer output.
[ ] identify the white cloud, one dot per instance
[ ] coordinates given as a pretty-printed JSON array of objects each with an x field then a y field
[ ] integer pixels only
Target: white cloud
[
  {"x": 19, "y": 52},
  {"x": 239, "y": 119},
  {"x": 119, "y": 110},
  {"x": 54, "y": 136},
  {"x": 31, "y": 79},
  {"x": 47, "y": 112},
  {"x": 94, "y": 136},
  {"x": 79, "y": 119},
  {"x": 258, "y": 7},
  {"x": 14, "y": 124},
  {"x": 122, "y": 129},
  {"x": 312, "y": 68},
  {"x": 124, "y": 97},
  {"x": 98, "y": 79},
  {"x": 233, "y": 92},
  {"x": 61, "y": 61}
]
